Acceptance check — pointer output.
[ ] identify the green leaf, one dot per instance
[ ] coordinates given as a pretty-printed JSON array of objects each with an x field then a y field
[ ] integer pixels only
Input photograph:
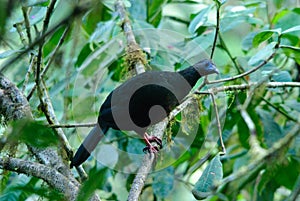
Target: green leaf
[
  {"x": 6, "y": 9},
  {"x": 84, "y": 53},
  {"x": 31, "y": 188},
  {"x": 288, "y": 20},
  {"x": 247, "y": 42},
  {"x": 262, "y": 55},
  {"x": 155, "y": 11},
  {"x": 211, "y": 176},
  {"x": 241, "y": 161},
  {"x": 163, "y": 182},
  {"x": 282, "y": 76},
  {"x": 293, "y": 29},
  {"x": 53, "y": 41},
  {"x": 264, "y": 35},
  {"x": 199, "y": 20},
  {"x": 293, "y": 104},
  {"x": 30, "y": 3},
  {"x": 291, "y": 51},
  {"x": 37, "y": 14},
  {"x": 244, "y": 133},
  {"x": 103, "y": 31},
  {"x": 138, "y": 9},
  {"x": 272, "y": 131},
  {"x": 33, "y": 133},
  {"x": 97, "y": 178}
]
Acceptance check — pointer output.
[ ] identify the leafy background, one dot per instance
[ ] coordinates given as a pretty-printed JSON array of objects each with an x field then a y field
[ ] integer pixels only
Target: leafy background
[{"x": 91, "y": 62}]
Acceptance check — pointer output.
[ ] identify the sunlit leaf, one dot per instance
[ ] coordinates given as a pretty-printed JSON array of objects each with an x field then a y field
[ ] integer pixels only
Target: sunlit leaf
[
  {"x": 211, "y": 176},
  {"x": 155, "y": 11},
  {"x": 293, "y": 29},
  {"x": 262, "y": 54},
  {"x": 103, "y": 31},
  {"x": 264, "y": 35},
  {"x": 288, "y": 20},
  {"x": 199, "y": 20}
]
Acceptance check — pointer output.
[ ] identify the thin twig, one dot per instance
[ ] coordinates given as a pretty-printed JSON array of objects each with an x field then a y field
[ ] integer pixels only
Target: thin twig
[
  {"x": 73, "y": 125},
  {"x": 27, "y": 23},
  {"x": 245, "y": 73},
  {"x": 41, "y": 44},
  {"x": 77, "y": 11},
  {"x": 54, "y": 52},
  {"x": 216, "y": 32},
  {"x": 218, "y": 123},
  {"x": 51, "y": 59},
  {"x": 29, "y": 70},
  {"x": 247, "y": 86},
  {"x": 18, "y": 27}
]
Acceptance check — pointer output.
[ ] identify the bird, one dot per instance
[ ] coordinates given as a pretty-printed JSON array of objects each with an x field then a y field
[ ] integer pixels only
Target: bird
[{"x": 142, "y": 101}]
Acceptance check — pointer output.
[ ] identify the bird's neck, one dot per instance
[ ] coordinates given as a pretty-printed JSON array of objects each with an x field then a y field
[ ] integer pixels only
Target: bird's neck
[{"x": 191, "y": 75}]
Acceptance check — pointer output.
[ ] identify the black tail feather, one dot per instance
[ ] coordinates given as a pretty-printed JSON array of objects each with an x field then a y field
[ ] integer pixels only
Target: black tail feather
[
  {"x": 81, "y": 155},
  {"x": 88, "y": 145}
]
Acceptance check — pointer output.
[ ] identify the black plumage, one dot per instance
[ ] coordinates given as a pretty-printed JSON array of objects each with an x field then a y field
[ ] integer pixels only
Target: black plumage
[{"x": 142, "y": 101}]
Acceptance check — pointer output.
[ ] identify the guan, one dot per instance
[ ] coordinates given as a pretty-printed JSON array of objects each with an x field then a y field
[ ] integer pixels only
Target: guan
[{"x": 141, "y": 101}]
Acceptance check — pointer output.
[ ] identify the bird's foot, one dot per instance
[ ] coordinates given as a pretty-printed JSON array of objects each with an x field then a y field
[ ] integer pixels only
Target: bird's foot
[{"x": 149, "y": 147}]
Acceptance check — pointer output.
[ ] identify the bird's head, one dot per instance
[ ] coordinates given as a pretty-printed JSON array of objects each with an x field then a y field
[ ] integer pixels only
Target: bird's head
[{"x": 206, "y": 67}]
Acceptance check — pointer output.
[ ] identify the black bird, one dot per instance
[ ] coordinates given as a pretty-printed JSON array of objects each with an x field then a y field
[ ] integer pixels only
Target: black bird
[{"x": 141, "y": 101}]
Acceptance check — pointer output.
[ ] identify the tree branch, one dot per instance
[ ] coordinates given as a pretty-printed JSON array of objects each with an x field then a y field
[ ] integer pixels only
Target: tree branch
[
  {"x": 136, "y": 59},
  {"x": 133, "y": 52},
  {"x": 49, "y": 175},
  {"x": 14, "y": 106}
]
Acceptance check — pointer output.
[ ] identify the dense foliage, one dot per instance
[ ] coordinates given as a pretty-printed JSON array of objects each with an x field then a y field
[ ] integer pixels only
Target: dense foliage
[{"x": 84, "y": 57}]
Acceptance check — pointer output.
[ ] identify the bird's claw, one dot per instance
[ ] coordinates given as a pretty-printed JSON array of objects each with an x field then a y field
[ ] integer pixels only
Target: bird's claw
[
  {"x": 157, "y": 140},
  {"x": 150, "y": 149}
]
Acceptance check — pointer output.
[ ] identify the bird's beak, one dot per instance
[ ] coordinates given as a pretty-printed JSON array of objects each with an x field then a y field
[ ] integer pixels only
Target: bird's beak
[{"x": 215, "y": 69}]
